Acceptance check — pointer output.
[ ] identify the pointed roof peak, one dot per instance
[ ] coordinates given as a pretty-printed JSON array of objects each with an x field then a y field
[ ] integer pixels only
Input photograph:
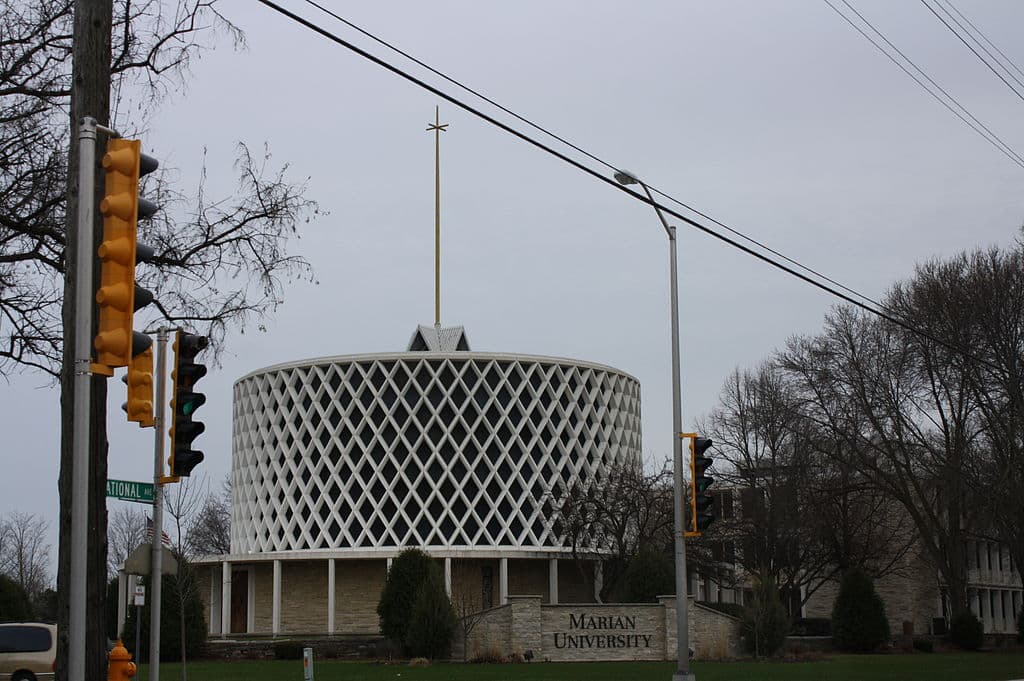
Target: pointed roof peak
[{"x": 438, "y": 339}]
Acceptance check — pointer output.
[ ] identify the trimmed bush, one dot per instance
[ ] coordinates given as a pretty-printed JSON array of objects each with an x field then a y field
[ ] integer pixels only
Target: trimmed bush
[
  {"x": 408, "y": 570},
  {"x": 859, "y": 623},
  {"x": 966, "y": 631},
  {"x": 765, "y": 622},
  {"x": 433, "y": 621},
  {"x": 812, "y": 626},
  {"x": 288, "y": 650},
  {"x": 924, "y": 645}
]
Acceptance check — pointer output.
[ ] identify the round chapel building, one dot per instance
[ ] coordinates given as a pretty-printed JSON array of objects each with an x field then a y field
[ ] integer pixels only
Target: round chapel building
[{"x": 340, "y": 463}]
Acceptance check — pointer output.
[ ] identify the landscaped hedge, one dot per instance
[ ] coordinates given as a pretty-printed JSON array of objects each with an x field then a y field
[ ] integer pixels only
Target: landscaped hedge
[{"x": 812, "y": 626}]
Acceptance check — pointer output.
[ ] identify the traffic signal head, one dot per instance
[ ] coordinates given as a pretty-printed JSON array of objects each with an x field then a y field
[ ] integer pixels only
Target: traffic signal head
[
  {"x": 702, "y": 502},
  {"x": 121, "y": 207},
  {"x": 185, "y": 401},
  {"x": 139, "y": 379}
]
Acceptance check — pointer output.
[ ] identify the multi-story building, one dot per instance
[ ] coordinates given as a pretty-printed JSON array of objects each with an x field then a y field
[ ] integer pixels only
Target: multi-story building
[
  {"x": 340, "y": 463},
  {"x": 912, "y": 589}
]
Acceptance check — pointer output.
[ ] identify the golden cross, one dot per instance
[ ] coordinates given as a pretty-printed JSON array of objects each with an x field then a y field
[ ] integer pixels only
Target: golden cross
[{"x": 438, "y": 128}]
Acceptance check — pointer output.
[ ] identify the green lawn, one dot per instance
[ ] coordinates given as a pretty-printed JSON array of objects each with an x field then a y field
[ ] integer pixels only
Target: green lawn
[{"x": 920, "y": 667}]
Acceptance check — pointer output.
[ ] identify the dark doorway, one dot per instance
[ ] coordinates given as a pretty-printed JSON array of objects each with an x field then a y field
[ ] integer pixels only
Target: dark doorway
[{"x": 239, "y": 601}]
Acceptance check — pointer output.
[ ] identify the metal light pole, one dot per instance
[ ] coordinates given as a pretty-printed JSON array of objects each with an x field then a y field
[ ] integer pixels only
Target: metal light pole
[
  {"x": 157, "y": 548},
  {"x": 682, "y": 672}
]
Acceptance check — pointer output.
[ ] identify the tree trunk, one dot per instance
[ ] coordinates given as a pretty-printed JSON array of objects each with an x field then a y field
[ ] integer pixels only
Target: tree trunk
[{"x": 90, "y": 97}]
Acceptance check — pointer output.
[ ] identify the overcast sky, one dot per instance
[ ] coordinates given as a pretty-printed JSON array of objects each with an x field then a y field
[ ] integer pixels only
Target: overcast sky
[{"x": 776, "y": 118}]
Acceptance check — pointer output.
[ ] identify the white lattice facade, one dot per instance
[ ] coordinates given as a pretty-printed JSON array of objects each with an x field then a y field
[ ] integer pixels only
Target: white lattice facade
[{"x": 439, "y": 450}]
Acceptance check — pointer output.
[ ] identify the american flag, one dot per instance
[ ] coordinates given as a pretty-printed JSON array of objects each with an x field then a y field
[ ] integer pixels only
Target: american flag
[{"x": 164, "y": 539}]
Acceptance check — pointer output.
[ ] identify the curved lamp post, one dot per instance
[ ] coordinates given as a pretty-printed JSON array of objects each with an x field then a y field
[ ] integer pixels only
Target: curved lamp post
[{"x": 682, "y": 673}]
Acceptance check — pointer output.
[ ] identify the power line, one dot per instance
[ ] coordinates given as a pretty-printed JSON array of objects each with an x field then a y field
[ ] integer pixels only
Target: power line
[
  {"x": 586, "y": 153},
  {"x": 612, "y": 183},
  {"x": 976, "y": 125},
  {"x": 971, "y": 47},
  {"x": 985, "y": 38}
]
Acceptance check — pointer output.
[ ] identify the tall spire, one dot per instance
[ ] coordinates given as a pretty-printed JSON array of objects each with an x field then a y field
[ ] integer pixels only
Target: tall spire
[{"x": 438, "y": 129}]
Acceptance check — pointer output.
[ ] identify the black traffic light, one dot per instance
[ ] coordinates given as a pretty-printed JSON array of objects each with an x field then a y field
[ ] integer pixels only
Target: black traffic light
[
  {"x": 118, "y": 297},
  {"x": 139, "y": 379},
  {"x": 184, "y": 402},
  {"x": 702, "y": 503}
]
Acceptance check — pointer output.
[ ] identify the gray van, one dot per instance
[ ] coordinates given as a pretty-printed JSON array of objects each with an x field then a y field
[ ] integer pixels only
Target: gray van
[{"x": 28, "y": 651}]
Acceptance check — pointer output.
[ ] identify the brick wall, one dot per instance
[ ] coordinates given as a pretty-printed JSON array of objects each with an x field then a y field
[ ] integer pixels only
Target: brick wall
[
  {"x": 303, "y": 596},
  {"x": 358, "y": 584}
]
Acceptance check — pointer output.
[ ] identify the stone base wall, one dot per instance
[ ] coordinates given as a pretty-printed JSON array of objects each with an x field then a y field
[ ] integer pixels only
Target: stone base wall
[
  {"x": 587, "y": 631},
  {"x": 488, "y": 631},
  {"x": 335, "y": 647}
]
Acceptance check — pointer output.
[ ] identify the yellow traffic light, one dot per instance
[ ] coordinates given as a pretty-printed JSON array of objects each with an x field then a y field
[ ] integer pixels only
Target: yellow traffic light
[
  {"x": 140, "y": 388},
  {"x": 116, "y": 295}
]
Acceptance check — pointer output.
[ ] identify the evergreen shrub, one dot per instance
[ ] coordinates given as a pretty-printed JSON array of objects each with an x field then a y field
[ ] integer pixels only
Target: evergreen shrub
[
  {"x": 859, "y": 623},
  {"x": 408, "y": 570},
  {"x": 966, "y": 631},
  {"x": 433, "y": 620}
]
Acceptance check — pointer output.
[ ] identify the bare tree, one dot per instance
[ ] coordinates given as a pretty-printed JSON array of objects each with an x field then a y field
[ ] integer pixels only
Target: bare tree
[
  {"x": 183, "y": 502},
  {"x": 126, "y": 530},
  {"x": 220, "y": 261},
  {"x": 236, "y": 246},
  {"x": 467, "y": 600},
  {"x": 901, "y": 405},
  {"x": 805, "y": 514},
  {"x": 26, "y": 554},
  {"x": 619, "y": 513},
  {"x": 210, "y": 531}
]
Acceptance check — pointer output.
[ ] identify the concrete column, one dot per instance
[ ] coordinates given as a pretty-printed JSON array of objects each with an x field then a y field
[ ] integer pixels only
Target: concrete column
[
  {"x": 598, "y": 580},
  {"x": 448, "y": 576},
  {"x": 214, "y": 601},
  {"x": 1004, "y": 621},
  {"x": 330, "y": 595},
  {"x": 275, "y": 617},
  {"x": 225, "y": 598},
  {"x": 503, "y": 581},
  {"x": 553, "y": 581}
]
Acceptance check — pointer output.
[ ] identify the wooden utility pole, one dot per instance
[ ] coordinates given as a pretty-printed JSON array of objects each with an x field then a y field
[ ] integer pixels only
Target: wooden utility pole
[{"x": 90, "y": 96}]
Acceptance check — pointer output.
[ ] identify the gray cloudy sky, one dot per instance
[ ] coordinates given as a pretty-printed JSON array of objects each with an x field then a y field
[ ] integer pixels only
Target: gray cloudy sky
[{"x": 777, "y": 118}]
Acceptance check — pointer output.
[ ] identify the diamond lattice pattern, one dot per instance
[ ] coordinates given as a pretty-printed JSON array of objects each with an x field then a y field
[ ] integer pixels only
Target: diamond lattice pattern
[{"x": 420, "y": 449}]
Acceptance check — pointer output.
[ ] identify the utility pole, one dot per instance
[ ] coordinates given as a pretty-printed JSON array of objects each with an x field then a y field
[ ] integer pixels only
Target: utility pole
[{"x": 90, "y": 97}]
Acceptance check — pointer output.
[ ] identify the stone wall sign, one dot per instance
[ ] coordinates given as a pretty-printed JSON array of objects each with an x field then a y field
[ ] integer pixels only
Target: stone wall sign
[{"x": 603, "y": 632}]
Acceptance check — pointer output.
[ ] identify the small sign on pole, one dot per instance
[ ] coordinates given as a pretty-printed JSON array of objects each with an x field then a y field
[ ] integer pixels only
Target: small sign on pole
[
  {"x": 307, "y": 664},
  {"x": 140, "y": 594}
]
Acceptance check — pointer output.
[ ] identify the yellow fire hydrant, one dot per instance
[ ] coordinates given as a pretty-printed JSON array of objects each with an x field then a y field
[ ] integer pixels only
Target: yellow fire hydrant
[{"x": 119, "y": 664}]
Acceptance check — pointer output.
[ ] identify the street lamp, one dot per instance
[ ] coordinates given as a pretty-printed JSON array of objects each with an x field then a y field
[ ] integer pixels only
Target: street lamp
[{"x": 624, "y": 177}]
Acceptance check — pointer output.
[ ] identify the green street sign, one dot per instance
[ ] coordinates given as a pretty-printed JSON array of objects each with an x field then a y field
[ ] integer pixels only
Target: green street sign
[{"x": 127, "y": 490}]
